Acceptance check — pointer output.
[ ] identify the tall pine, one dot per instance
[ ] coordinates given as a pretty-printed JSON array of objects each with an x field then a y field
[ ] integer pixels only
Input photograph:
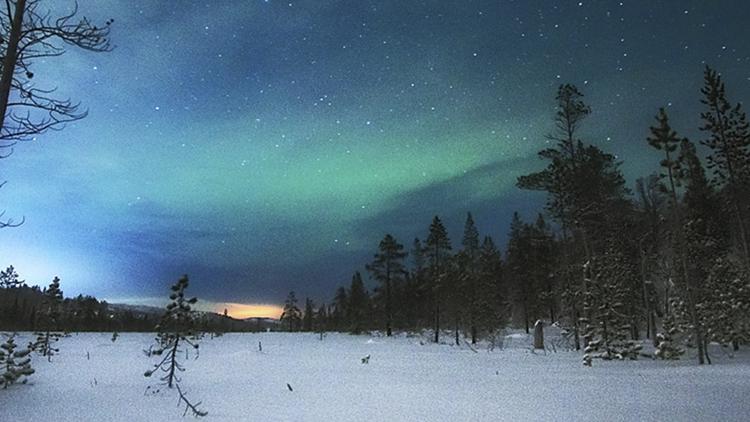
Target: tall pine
[{"x": 388, "y": 269}]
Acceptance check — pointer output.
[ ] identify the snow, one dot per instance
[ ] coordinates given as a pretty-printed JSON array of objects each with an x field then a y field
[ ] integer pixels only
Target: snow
[{"x": 407, "y": 379}]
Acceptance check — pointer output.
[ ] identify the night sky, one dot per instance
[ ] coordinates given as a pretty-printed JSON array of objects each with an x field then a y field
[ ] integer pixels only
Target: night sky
[{"x": 263, "y": 146}]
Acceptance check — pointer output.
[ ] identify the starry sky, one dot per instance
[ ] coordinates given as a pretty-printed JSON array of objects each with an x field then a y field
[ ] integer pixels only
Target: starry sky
[{"x": 263, "y": 146}]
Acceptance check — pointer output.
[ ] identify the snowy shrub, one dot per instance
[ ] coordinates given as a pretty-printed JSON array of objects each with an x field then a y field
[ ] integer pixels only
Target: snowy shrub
[{"x": 14, "y": 364}]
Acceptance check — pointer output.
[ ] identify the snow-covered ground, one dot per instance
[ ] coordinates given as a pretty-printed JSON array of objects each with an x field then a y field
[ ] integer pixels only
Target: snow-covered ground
[{"x": 406, "y": 379}]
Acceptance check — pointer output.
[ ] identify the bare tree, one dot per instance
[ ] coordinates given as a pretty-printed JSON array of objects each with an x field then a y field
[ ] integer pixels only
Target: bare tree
[
  {"x": 33, "y": 33},
  {"x": 28, "y": 33}
]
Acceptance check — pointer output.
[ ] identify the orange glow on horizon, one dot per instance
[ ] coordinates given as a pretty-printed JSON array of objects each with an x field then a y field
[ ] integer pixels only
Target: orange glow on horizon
[{"x": 249, "y": 310}]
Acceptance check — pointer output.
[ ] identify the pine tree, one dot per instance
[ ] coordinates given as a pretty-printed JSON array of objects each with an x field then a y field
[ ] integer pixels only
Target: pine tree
[
  {"x": 10, "y": 281},
  {"x": 544, "y": 256},
  {"x": 388, "y": 268},
  {"x": 14, "y": 364},
  {"x": 309, "y": 315},
  {"x": 291, "y": 314},
  {"x": 522, "y": 272},
  {"x": 48, "y": 320},
  {"x": 417, "y": 288},
  {"x": 665, "y": 139},
  {"x": 358, "y": 309},
  {"x": 175, "y": 330},
  {"x": 585, "y": 189},
  {"x": 470, "y": 276},
  {"x": 437, "y": 252},
  {"x": 321, "y": 320},
  {"x": 489, "y": 300},
  {"x": 340, "y": 310},
  {"x": 729, "y": 142},
  {"x": 9, "y": 278},
  {"x": 561, "y": 179}
]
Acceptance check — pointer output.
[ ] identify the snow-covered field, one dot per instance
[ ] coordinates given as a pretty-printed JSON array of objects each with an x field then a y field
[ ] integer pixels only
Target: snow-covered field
[{"x": 406, "y": 379}]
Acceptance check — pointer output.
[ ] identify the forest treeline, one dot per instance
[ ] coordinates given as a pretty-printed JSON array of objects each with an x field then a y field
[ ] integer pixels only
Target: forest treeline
[
  {"x": 31, "y": 308},
  {"x": 667, "y": 260}
]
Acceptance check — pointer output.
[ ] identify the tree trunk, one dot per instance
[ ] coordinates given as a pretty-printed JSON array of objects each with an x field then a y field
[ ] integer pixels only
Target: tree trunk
[
  {"x": 525, "y": 317},
  {"x": 437, "y": 322},
  {"x": 11, "y": 55},
  {"x": 652, "y": 328},
  {"x": 388, "y": 310},
  {"x": 173, "y": 362},
  {"x": 455, "y": 330},
  {"x": 576, "y": 334},
  {"x": 551, "y": 313}
]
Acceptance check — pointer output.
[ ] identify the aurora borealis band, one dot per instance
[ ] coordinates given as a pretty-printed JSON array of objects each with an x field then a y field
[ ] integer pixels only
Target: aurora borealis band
[{"x": 264, "y": 146}]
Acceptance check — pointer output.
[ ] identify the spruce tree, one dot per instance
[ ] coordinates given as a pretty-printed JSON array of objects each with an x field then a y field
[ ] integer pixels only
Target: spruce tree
[
  {"x": 388, "y": 269},
  {"x": 175, "y": 332},
  {"x": 291, "y": 314}
]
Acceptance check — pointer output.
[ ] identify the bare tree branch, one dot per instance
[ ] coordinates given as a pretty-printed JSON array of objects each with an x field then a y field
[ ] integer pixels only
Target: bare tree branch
[
  {"x": 28, "y": 110},
  {"x": 193, "y": 408}
]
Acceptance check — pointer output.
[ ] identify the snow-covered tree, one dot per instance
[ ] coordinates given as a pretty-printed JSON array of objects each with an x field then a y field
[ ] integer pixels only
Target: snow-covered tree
[
  {"x": 175, "y": 332},
  {"x": 725, "y": 307},
  {"x": 15, "y": 365},
  {"x": 606, "y": 323},
  {"x": 666, "y": 344},
  {"x": 48, "y": 320}
]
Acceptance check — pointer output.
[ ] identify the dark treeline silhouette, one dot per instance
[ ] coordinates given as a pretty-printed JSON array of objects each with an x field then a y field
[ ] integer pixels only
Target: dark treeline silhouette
[
  {"x": 22, "y": 308},
  {"x": 667, "y": 261}
]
